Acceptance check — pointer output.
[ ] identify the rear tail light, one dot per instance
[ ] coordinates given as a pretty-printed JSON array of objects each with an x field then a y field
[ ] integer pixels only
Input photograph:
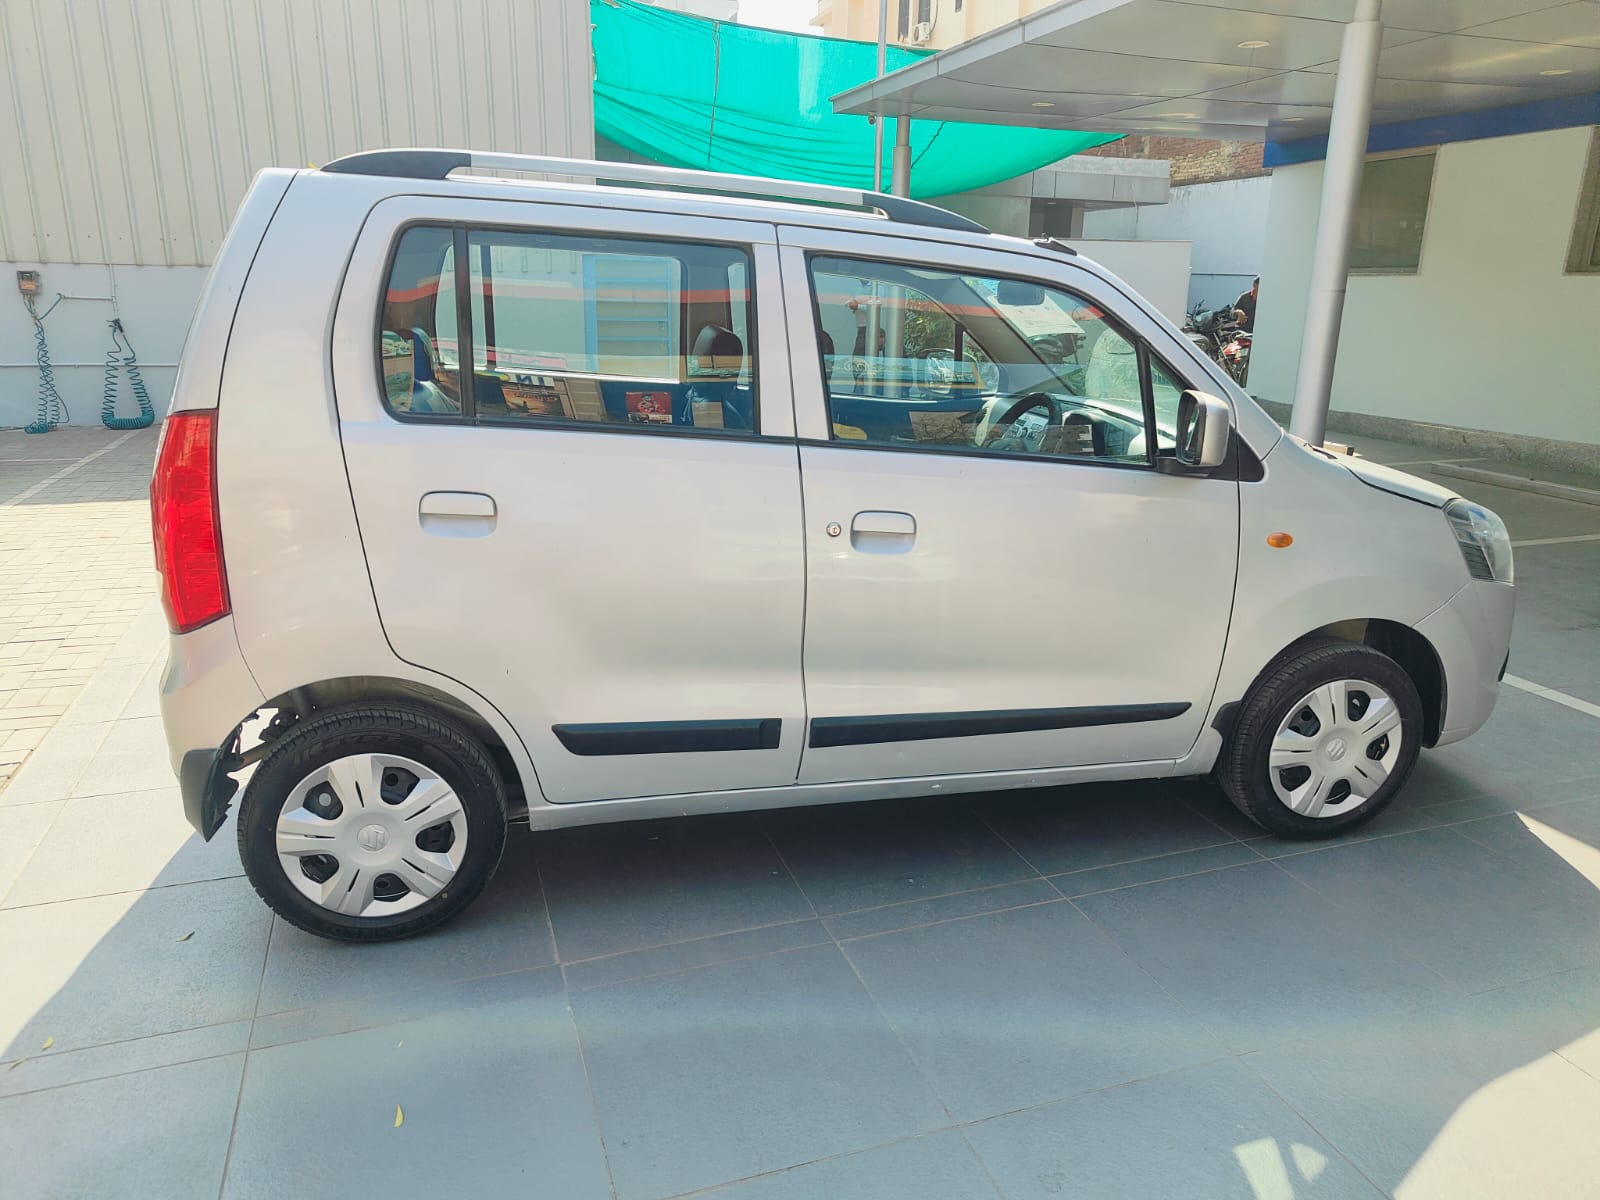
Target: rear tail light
[{"x": 183, "y": 511}]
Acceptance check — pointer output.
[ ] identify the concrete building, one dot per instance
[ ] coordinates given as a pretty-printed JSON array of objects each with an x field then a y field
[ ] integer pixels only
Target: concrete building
[
  {"x": 1462, "y": 259},
  {"x": 129, "y": 130},
  {"x": 932, "y": 24}
]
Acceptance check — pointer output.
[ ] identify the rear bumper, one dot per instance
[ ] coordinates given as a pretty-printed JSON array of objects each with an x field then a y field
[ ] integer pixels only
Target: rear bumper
[
  {"x": 206, "y": 693},
  {"x": 1472, "y": 635}
]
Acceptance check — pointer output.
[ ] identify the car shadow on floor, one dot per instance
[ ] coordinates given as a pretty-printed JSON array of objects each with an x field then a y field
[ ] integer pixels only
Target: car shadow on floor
[{"x": 1100, "y": 990}]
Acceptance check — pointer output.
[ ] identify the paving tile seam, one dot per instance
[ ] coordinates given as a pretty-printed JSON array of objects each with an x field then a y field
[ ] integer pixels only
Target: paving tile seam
[
  {"x": 133, "y": 891},
  {"x": 28, "y": 493},
  {"x": 1259, "y": 857},
  {"x": 851, "y": 938},
  {"x": 1327, "y": 1140},
  {"x": 577, "y": 1036},
  {"x": 244, "y": 1070},
  {"x": 143, "y": 1037},
  {"x": 98, "y": 1077},
  {"x": 1549, "y": 693}
]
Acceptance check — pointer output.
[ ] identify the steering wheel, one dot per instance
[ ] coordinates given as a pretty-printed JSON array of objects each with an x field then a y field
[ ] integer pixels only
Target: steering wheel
[{"x": 1004, "y": 435}]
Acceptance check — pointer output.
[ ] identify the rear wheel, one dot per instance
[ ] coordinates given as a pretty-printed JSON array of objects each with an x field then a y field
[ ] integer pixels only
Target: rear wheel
[
  {"x": 368, "y": 823},
  {"x": 1324, "y": 741}
]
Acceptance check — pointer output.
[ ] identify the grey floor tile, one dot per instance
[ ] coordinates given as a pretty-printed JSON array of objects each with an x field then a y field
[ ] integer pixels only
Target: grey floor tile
[
  {"x": 1095, "y": 825},
  {"x": 144, "y": 699},
  {"x": 630, "y": 886},
  {"x": 105, "y": 844},
  {"x": 1542, "y": 736},
  {"x": 911, "y": 913},
  {"x": 1010, "y": 1010},
  {"x": 1479, "y": 918},
  {"x": 702, "y": 952},
  {"x": 122, "y": 1058},
  {"x": 851, "y": 856},
  {"x": 1210, "y": 1131},
  {"x": 22, "y": 828},
  {"x": 133, "y": 758},
  {"x": 504, "y": 930},
  {"x": 55, "y": 766},
  {"x": 1150, "y": 870},
  {"x": 1257, "y": 954},
  {"x": 106, "y": 694},
  {"x": 939, "y": 1166},
  {"x": 1204, "y": 797},
  {"x": 1461, "y": 1101},
  {"x": 493, "y": 1102},
  {"x": 106, "y": 969},
  {"x": 713, "y": 1075},
  {"x": 154, "y": 1133},
  {"x": 459, "y": 996}
]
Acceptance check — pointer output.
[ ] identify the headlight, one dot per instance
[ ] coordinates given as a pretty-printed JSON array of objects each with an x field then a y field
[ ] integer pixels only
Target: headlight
[{"x": 1483, "y": 539}]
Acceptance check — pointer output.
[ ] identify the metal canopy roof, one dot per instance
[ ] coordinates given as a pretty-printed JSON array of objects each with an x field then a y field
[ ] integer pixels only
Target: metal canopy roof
[{"x": 1181, "y": 66}]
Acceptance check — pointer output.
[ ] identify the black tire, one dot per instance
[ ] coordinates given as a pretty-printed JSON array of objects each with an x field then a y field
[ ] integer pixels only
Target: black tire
[
  {"x": 1243, "y": 770},
  {"x": 389, "y": 728}
]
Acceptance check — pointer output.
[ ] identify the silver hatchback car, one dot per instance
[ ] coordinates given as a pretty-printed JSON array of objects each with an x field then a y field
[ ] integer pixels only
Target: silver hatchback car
[{"x": 489, "y": 499}]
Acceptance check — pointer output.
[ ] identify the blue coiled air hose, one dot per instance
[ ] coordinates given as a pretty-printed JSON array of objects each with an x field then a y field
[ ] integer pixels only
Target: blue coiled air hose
[
  {"x": 52, "y": 408},
  {"x": 129, "y": 362}
]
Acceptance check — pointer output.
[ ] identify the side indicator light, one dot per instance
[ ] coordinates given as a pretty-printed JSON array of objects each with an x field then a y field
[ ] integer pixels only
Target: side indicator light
[{"x": 1279, "y": 541}]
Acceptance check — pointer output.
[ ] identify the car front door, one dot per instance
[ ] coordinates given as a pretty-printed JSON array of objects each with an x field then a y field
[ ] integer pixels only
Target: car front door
[
  {"x": 571, "y": 453},
  {"x": 1000, "y": 577}
]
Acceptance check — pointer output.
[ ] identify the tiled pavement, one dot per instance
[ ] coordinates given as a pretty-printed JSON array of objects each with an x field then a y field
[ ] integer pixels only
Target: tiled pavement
[
  {"x": 1103, "y": 992},
  {"x": 74, "y": 570}
]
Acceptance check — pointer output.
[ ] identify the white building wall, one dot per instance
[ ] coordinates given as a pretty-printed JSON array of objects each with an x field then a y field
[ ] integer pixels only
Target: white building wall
[
  {"x": 1226, "y": 222},
  {"x": 130, "y": 129},
  {"x": 1489, "y": 333}
]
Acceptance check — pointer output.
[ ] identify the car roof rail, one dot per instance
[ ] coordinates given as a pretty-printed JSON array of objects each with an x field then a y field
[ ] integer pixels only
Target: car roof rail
[{"x": 438, "y": 164}]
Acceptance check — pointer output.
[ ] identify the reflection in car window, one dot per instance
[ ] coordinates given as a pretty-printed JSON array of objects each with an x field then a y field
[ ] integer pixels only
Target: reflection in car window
[{"x": 915, "y": 356}]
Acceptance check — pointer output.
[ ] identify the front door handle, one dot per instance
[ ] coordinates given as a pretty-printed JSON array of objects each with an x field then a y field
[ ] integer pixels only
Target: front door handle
[
  {"x": 457, "y": 514},
  {"x": 883, "y": 532}
]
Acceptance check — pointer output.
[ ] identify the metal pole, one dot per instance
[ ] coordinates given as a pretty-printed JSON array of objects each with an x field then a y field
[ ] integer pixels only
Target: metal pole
[
  {"x": 1341, "y": 188},
  {"x": 900, "y": 186},
  {"x": 877, "y": 125}
]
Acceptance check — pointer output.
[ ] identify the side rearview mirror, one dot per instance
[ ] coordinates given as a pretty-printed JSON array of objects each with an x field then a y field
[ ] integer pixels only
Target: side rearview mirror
[{"x": 1204, "y": 425}]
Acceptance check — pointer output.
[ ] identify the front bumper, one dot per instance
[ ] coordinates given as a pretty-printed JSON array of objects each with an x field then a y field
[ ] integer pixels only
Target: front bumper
[
  {"x": 1472, "y": 635},
  {"x": 206, "y": 693}
]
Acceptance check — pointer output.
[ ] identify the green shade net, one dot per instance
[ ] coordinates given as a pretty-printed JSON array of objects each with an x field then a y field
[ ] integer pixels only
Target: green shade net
[{"x": 713, "y": 96}]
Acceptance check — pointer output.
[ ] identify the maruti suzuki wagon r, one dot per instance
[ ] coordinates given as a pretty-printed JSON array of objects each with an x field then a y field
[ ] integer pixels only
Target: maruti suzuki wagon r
[{"x": 510, "y": 499}]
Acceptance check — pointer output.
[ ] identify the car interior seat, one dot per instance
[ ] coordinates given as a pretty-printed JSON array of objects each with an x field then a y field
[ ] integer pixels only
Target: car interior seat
[
  {"x": 426, "y": 395},
  {"x": 720, "y": 351}
]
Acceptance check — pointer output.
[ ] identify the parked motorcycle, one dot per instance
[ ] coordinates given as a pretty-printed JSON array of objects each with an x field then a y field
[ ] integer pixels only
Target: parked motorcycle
[{"x": 1217, "y": 333}]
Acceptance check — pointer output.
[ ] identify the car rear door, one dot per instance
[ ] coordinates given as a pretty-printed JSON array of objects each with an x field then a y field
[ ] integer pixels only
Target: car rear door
[
  {"x": 972, "y": 608},
  {"x": 569, "y": 440}
]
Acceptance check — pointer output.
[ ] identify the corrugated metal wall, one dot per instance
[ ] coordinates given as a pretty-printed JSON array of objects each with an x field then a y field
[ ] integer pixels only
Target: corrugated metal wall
[{"x": 129, "y": 129}]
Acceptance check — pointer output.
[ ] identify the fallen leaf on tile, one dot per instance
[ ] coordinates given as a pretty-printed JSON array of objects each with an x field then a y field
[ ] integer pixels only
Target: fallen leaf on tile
[
  {"x": 399, "y": 1116},
  {"x": 16, "y": 1064},
  {"x": 48, "y": 1042},
  {"x": 187, "y": 936},
  {"x": 400, "y": 1043}
]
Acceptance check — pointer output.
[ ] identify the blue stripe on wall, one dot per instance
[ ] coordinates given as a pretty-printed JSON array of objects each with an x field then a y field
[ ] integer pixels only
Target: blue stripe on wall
[{"x": 1453, "y": 127}]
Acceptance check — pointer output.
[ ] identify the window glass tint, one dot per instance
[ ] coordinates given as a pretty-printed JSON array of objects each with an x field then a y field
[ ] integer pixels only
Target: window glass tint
[
  {"x": 914, "y": 356},
  {"x": 417, "y": 341},
  {"x": 1390, "y": 214},
  {"x": 609, "y": 331}
]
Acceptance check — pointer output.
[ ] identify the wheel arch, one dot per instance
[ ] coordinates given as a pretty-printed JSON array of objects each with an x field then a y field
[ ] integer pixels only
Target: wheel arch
[
  {"x": 305, "y": 699},
  {"x": 1413, "y": 652}
]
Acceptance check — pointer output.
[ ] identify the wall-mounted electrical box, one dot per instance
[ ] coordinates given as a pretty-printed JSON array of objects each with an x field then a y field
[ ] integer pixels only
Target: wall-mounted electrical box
[{"x": 28, "y": 283}]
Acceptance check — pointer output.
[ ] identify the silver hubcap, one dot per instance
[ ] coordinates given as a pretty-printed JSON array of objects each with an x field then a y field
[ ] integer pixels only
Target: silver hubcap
[
  {"x": 1335, "y": 749},
  {"x": 371, "y": 835}
]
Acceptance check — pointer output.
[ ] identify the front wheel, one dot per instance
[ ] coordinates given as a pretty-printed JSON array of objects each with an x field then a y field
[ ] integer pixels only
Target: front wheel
[
  {"x": 1323, "y": 742},
  {"x": 372, "y": 822}
]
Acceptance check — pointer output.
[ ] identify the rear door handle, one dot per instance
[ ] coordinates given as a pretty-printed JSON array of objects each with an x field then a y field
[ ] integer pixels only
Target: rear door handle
[
  {"x": 883, "y": 532},
  {"x": 457, "y": 514}
]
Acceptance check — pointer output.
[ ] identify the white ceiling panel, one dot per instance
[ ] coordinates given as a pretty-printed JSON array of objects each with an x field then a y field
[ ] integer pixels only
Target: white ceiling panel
[
  {"x": 1194, "y": 33},
  {"x": 1458, "y": 58},
  {"x": 1565, "y": 24},
  {"x": 1228, "y": 112},
  {"x": 1314, "y": 88},
  {"x": 1087, "y": 71},
  {"x": 1451, "y": 16}
]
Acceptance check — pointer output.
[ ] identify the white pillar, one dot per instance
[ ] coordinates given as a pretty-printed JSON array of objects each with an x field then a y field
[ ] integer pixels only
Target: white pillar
[
  {"x": 901, "y": 186},
  {"x": 1341, "y": 187}
]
